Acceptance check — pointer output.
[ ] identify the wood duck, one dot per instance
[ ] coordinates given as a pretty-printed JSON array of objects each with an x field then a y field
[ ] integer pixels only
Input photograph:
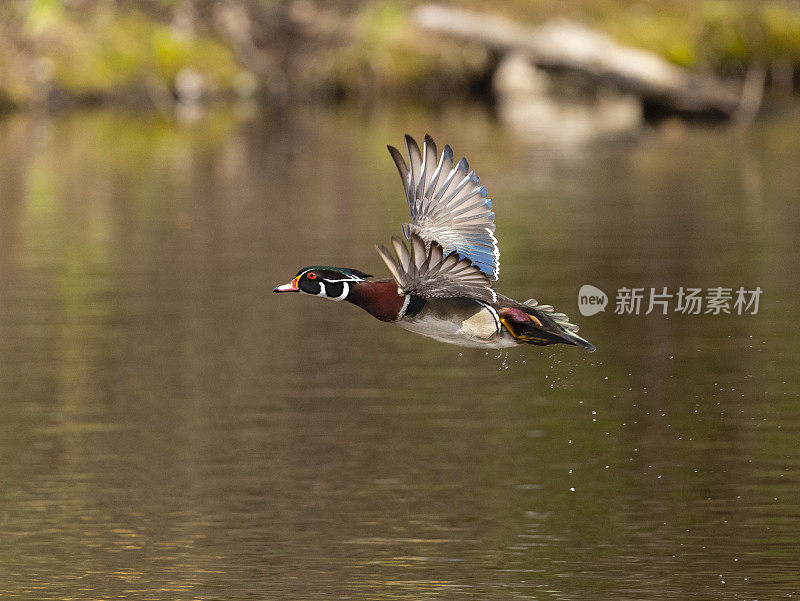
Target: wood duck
[{"x": 441, "y": 284}]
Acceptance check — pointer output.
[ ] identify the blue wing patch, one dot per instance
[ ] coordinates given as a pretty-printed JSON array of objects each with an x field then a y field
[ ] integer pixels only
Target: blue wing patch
[{"x": 448, "y": 205}]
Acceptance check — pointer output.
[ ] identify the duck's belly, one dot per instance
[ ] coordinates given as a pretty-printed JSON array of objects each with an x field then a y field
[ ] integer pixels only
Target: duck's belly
[{"x": 463, "y": 322}]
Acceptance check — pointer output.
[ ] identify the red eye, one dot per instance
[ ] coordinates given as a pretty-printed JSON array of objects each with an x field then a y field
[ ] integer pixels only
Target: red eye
[{"x": 311, "y": 275}]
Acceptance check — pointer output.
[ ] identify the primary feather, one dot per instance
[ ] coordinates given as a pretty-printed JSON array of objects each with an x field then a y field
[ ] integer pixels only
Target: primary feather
[{"x": 448, "y": 205}]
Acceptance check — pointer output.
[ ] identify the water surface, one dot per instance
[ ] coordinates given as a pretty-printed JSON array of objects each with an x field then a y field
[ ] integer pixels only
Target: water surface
[{"x": 173, "y": 430}]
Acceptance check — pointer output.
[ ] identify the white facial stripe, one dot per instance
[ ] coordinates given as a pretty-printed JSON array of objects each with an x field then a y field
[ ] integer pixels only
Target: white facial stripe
[
  {"x": 350, "y": 278},
  {"x": 494, "y": 313},
  {"x": 345, "y": 291},
  {"x": 323, "y": 292},
  {"x": 404, "y": 308},
  {"x": 353, "y": 279}
]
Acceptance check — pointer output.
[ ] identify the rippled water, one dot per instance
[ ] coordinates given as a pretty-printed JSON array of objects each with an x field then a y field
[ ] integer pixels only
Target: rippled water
[{"x": 173, "y": 430}]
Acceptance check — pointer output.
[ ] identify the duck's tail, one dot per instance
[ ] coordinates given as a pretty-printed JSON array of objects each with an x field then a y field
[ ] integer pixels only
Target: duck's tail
[{"x": 541, "y": 325}]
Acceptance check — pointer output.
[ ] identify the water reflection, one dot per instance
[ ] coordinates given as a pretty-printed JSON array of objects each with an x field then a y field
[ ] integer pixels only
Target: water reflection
[{"x": 173, "y": 430}]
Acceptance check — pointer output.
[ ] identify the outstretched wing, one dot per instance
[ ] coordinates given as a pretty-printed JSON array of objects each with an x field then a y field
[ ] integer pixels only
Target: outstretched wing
[
  {"x": 447, "y": 205},
  {"x": 430, "y": 273}
]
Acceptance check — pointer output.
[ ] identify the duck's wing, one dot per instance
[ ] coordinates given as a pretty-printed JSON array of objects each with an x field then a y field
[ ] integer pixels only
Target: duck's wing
[
  {"x": 447, "y": 205},
  {"x": 429, "y": 272}
]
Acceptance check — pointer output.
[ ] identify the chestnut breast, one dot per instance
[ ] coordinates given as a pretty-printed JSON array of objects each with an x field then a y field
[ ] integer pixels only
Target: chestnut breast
[{"x": 379, "y": 298}]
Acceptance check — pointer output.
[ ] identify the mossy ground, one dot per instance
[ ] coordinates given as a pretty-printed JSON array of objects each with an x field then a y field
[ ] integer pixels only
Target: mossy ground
[{"x": 104, "y": 49}]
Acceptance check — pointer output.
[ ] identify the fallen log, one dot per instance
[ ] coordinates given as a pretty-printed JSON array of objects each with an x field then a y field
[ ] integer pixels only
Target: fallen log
[{"x": 569, "y": 46}]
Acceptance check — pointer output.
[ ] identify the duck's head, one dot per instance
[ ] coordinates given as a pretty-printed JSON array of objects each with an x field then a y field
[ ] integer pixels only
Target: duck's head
[{"x": 333, "y": 283}]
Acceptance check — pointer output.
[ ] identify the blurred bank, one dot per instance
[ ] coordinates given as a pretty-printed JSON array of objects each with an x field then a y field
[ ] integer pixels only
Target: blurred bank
[{"x": 168, "y": 54}]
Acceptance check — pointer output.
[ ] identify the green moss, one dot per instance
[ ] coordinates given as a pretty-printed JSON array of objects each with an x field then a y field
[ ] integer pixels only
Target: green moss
[
  {"x": 713, "y": 33},
  {"x": 172, "y": 52},
  {"x": 781, "y": 32},
  {"x": 42, "y": 14},
  {"x": 106, "y": 51},
  {"x": 388, "y": 53},
  {"x": 668, "y": 35}
]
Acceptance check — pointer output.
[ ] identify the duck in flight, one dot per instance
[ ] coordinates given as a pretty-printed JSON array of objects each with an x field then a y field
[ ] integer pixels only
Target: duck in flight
[{"x": 441, "y": 284}]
